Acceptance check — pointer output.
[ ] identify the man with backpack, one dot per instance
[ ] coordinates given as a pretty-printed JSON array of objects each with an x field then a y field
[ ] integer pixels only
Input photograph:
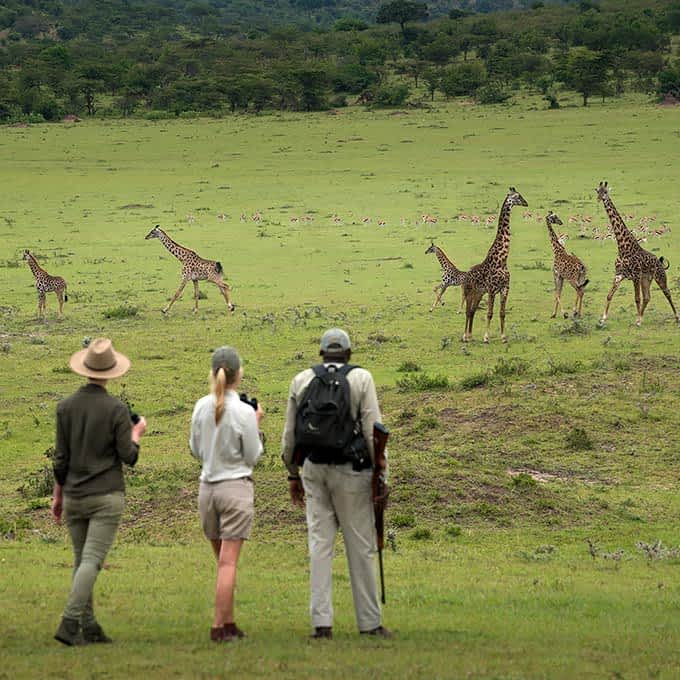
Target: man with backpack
[{"x": 328, "y": 450}]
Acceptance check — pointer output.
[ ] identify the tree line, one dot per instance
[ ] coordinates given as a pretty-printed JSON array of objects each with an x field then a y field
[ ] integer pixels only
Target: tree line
[{"x": 146, "y": 63}]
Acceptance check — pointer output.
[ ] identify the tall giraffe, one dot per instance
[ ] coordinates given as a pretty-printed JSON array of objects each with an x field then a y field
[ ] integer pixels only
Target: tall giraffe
[
  {"x": 492, "y": 276},
  {"x": 634, "y": 262},
  {"x": 565, "y": 266},
  {"x": 451, "y": 276},
  {"x": 194, "y": 268},
  {"x": 46, "y": 283}
]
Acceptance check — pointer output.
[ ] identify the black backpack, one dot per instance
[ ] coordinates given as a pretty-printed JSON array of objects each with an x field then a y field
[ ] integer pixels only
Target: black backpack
[{"x": 324, "y": 424}]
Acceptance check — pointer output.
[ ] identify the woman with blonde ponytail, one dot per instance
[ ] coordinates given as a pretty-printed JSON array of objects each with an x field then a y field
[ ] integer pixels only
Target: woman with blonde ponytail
[{"x": 225, "y": 437}]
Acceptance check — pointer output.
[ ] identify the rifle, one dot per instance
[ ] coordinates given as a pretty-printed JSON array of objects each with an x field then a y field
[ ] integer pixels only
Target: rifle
[{"x": 380, "y": 493}]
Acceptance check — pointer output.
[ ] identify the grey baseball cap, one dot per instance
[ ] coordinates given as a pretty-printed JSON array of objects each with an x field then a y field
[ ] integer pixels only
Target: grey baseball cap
[
  {"x": 335, "y": 339},
  {"x": 226, "y": 357}
]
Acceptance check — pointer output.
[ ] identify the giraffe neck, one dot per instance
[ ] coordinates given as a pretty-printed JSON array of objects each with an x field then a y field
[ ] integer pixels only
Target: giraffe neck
[
  {"x": 37, "y": 270},
  {"x": 624, "y": 237},
  {"x": 557, "y": 247},
  {"x": 180, "y": 252},
  {"x": 445, "y": 262},
  {"x": 501, "y": 244}
]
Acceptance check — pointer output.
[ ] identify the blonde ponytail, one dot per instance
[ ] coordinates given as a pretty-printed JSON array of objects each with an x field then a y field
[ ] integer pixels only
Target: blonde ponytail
[{"x": 219, "y": 384}]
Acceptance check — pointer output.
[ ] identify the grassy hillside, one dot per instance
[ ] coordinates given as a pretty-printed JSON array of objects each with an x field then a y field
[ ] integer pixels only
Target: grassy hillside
[{"x": 505, "y": 459}]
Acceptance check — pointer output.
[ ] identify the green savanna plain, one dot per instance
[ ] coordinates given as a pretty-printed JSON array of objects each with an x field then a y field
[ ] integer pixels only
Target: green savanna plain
[{"x": 506, "y": 459}]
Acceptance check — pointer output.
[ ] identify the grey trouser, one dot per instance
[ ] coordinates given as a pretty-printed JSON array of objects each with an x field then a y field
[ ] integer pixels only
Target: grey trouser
[
  {"x": 92, "y": 522},
  {"x": 336, "y": 496}
]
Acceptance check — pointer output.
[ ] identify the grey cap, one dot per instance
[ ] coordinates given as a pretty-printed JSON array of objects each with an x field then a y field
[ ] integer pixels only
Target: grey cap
[
  {"x": 226, "y": 357},
  {"x": 335, "y": 340}
]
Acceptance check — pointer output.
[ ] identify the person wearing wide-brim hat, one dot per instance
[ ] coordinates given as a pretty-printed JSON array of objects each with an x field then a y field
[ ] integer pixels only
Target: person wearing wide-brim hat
[{"x": 95, "y": 436}]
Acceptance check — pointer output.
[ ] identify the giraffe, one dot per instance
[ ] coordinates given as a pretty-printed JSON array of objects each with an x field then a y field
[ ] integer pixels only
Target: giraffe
[
  {"x": 634, "y": 262},
  {"x": 565, "y": 266},
  {"x": 451, "y": 275},
  {"x": 46, "y": 283},
  {"x": 194, "y": 268},
  {"x": 492, "y": 276}
]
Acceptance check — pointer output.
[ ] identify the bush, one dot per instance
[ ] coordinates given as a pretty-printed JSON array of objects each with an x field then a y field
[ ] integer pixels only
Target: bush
[
  {"x": 421, "y": 534},
  {"x": 422, "y": 382},
  {"x": 121, "y": 312},
  {"x": 403, "y": 520},
  {"x": 492, "y": 93},
  {"x": 408, "y": 367},
  {"x": 463, "y": 79},
  {"x": 579, "y": 440},
  {"x": 476, "y": 380},
  {"x": 391, "y": 94}
]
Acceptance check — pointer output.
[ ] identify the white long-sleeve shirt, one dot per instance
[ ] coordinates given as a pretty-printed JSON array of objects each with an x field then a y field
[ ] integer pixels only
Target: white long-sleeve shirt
[{"x": 230, "y": 449}]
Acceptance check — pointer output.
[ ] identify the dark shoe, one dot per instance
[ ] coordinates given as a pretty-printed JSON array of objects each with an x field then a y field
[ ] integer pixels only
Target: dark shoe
[
  {"x": 321, "y": 632},
  {"x": 380, "y": 631},
  {"x": 94, "y": 633},
  {"x": 217, "y": 634},
  {"x": 232, "y": 631},
  {"x": 69, "y": 633}
]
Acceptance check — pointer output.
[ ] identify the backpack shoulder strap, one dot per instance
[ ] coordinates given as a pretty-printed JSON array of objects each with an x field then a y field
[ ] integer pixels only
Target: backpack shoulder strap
[
  {"x": 346, "y": 368},
  {"x": 319, "y": 370}
]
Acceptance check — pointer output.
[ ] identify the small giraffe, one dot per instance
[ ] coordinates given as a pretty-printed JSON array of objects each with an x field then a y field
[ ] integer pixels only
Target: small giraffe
[
  {"x": 451, "y": 276},
  {"x": 634, "y": 262},
  {"x": 492, "y": 276},
  {"x": 46, "y": 283},
  {"x": 565, "y": 267},
  {"x": 194, "y": 269}
]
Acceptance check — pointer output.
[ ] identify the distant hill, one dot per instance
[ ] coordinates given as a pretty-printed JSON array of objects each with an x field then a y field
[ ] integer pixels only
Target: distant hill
[{"x": 68, "y": 19}]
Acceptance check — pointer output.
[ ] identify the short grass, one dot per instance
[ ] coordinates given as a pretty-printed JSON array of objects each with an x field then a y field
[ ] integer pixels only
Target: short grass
[{"x": 505, "y": 459}]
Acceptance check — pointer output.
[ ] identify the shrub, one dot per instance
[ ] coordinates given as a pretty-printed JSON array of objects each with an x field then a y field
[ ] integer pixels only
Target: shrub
[
  {"x": 579, "y": 440},
  {"x": 422, "y": 382},
  {"x": 492, "y": 93},
  {"x": 453, "y": 530},
  {"x": 523, "y": 481},
  {"x": 421, "y": 534},
  {"x": 391, "y": 94},
  {"x": 475, "y": 380},
  {"x": 121, "y": 312},
  {"x": 402, "y": 520},
  {"x": 408, "y": 367},
  {"x": 505, "y": 368}
]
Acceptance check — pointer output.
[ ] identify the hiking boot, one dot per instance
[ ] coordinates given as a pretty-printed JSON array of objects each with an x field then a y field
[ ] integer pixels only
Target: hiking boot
[
  {"x": 321, "y": 632},
  {"x": 217, "y": 634},
  {"x": 232, "y": 631},
  {"x": 69, "y": 633},
  {"x": 380, "y": 631},
  {"x": 94, "y": 633}
]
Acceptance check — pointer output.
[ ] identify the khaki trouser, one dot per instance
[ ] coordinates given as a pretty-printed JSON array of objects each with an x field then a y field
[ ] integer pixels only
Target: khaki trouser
[
  {"x": 336, "y": 496},
  {"x": 92, "y": 522}
]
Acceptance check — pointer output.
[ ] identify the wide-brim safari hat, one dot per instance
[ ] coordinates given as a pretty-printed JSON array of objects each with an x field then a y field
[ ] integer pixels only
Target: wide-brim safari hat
[{"x": 99, "y": 360}]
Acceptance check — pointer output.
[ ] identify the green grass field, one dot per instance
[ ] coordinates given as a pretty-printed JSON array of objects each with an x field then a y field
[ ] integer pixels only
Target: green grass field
[{"x": 505, "y": 459}]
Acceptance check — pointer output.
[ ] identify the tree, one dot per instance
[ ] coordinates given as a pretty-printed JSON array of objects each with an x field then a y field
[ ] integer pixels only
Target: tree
[
  {"x": 400, "y": 12},
  {"x": 586, "y": 72},
  {"x": 463, "y": 79}
]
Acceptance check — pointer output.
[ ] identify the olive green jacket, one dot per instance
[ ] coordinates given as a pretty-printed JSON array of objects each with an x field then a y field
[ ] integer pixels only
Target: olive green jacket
[{"x": 93, "y": 440}]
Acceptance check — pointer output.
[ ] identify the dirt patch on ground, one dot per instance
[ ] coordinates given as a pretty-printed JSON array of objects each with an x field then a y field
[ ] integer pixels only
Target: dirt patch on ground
[{"x": 555, "y": 476}]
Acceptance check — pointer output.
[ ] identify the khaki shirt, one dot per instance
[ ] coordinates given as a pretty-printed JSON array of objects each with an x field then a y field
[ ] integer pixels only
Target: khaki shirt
[{"x": 363, "y": 401}]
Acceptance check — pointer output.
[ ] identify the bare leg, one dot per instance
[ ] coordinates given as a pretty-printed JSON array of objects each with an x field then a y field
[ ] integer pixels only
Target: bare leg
[
  {"x": 489, "y": 315},
  {"x": 504, "y": 299},
  {"x": 175, "y": 296},
  {"x": 195, "y": 296},
  {"x": 559, "y": 282},
  {"x": 227, "y": 554},
  {"x": 617, "y": 282}
]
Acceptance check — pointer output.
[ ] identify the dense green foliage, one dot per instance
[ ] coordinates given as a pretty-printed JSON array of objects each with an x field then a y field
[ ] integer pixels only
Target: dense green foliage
[{"x": 179, "y": 58}]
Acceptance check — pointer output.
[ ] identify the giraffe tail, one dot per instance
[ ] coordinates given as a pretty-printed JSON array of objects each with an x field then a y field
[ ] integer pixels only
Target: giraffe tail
[
  {"x": 664, "y": 263},
  {"x": 218, "y": 267}
]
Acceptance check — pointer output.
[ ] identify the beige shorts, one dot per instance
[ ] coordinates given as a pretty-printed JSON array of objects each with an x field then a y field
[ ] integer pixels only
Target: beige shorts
[{"x": 227, "y": 508}]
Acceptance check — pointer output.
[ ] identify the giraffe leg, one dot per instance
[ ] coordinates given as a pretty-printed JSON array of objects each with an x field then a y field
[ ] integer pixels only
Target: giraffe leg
[
  {"x": 462, "y": 302},
  {"x": 42, "y": 303},
  {"x": 224, "y": 289},
  {"x": 578, "y": 303},
  {"x": 195, "y": 296},
  {"x": 645, "y": 284},
  {"x": 489, "y": 315},
  {"x": 617, "y": 282},
  {"x": 438, "y": 295},
  {"x": 175, "y": 296},
  {"x": 60, "y": 297},
  {"x": 636, "y": 288},
  {"x": 472, "y": 298},
  {"x": 501, "y": 313},
  {"x": 661, "y": 282},
  {"x": 559, "y": 282}
]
